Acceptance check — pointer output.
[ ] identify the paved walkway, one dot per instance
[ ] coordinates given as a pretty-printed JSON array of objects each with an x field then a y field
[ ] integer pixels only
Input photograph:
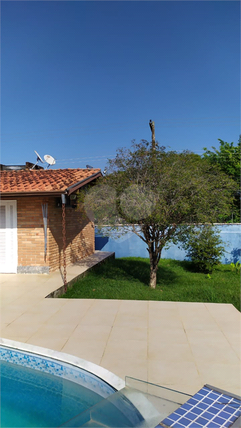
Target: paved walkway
[{"x": 175, "y": 344}]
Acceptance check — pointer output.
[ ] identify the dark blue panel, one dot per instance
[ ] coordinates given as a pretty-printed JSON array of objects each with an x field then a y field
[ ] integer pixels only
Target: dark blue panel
[{"x": 219, "y": 409}]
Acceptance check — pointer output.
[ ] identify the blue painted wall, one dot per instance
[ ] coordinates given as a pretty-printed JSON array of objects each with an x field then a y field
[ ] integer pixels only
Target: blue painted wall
[{"x": 129, "y": 245}]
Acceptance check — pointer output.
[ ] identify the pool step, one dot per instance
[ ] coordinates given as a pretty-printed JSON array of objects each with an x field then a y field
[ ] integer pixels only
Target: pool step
[{"x": 118, "y": 410}]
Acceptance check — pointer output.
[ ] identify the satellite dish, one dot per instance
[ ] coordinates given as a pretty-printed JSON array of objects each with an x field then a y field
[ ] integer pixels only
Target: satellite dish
[
  {"x": 38, "y": 159},
  {"x": 89, "y": 166},
  {"x": 49, "y": 159}
]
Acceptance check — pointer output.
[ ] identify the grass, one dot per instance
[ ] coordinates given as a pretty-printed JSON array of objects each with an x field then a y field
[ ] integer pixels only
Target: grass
[{"x": 128, "y": 279}]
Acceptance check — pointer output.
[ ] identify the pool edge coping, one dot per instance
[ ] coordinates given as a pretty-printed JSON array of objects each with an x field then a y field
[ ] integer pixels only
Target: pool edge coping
[{"x": 102, "y": 373}]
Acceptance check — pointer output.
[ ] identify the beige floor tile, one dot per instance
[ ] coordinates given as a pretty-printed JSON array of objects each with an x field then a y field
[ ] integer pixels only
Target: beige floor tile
[
  {"x": 17, "y": 338},
  {"x": 130, "y": 320},
  {"x": 16, "y": 330},
  {"x": 190, "y": 307},
  {"x": 47, "y": 305},
  {"x": 91, "y": 332},
  {"x": 136, "y": 307},
  {"x": 189, "y": 387},
  {"x": 106, "y": 304},
  {"x": 91, "y": 350},
  {"x": 230, "y": 326},
  {"x": 128, "y": 333},
  {"x": 50, "y": 342},
  {"x": 9, "y": 315},
  {"x": 155, "y": 305},
  {"x": 66, "y": 316},
  {"x": 227, "y": 377},
  {"x": 98, "y": 318},
  {"x": 55, "y": 330},
  {"x": 168, "y": 373},
  {"x": 216, "y": 352},
  {"x": 167, "y": 336},
  {"x": 126, "y": 349},
  {"x": 99, "y": 315},
  {"x": 133, "y": 367},
  {"x": 163, "y": 313},
  {"x": 235, "y": 341},
  {"x": 198, "y": 320},
  {"x": 167, "y": 322},
  {"x": 33, "y": 318},
  {"x": 205, "y": 337},
  {"x": 175, "y": 352}
]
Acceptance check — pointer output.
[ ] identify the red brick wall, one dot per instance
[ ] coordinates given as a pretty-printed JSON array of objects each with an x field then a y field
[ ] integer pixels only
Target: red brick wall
[{"x": 79, "y": 234}]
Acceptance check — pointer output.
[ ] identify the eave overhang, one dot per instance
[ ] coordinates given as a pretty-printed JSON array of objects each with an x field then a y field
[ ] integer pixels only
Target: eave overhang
[{"x": 68, "y": 191}]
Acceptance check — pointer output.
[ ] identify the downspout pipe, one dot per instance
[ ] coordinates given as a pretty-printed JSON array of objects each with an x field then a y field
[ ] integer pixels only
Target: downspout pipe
[
  {"x": 45, "y": 221},
  {"x": 63, "y": 199}
]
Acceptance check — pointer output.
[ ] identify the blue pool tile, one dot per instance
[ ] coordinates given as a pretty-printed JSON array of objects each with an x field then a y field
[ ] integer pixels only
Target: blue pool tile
[
  {"x": 202, "y": 405},
  {"x": 213, "y": 410},
  {"x": 201, "y": 420},
  {"x": 214, "y": 395},
  {"x": 191, "y": 416},
  {"x": 194, "y": 425},
  {"x": 197, "y": 411},
  {"x": 219, "y": 420},
  {"x": 185, "y": 421},
  {"x": 224, "y": 415},
  {"x": 229, "y": 409},
  {"x": 208, "y": 401},
  {"x": 212, "y": 424},
  {"x": 192, "y": 401},
  {"x": 180, "y": 411}
]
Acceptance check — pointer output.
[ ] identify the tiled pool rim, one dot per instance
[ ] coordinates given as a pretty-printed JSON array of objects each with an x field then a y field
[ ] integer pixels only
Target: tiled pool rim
[{"x": 75, "y": 369}]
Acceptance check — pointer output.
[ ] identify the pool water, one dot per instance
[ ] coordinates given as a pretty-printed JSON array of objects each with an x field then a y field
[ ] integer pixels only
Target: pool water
[{"x": 31, "y": 398}]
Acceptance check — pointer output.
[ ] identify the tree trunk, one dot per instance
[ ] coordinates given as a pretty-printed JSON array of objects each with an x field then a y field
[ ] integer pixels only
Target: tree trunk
[
  {"x": 153, "y": 269},
  {"x": 153, "y": 275}
]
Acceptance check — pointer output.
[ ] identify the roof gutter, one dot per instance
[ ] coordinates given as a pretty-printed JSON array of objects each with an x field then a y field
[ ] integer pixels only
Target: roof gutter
[{"x": 20, "y": 194}]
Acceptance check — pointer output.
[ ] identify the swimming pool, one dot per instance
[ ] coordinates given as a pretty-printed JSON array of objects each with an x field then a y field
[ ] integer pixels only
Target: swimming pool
[{"x": 43, "y": 391}]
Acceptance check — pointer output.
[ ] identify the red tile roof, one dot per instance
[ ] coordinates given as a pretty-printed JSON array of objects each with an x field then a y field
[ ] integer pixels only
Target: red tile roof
[{"x": 42, "y": 181}]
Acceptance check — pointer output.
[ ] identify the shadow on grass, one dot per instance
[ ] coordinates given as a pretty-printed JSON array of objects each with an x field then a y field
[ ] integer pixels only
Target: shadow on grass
[
  {"x": 186, "y": 265},
  {"x": 138, "y": 270}
]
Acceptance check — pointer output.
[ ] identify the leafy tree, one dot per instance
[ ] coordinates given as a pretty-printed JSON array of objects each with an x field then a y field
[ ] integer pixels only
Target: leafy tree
[
  {"x": 154, "y": 192},
  {"x": 228, "y": 159}
]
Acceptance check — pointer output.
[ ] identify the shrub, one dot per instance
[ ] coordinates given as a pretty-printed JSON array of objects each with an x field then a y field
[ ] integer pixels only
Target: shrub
[{"x": 204, "y": 248}]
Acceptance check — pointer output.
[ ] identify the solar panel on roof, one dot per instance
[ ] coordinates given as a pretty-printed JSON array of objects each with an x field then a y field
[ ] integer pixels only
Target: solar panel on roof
[{"x": 209, "y": 408}]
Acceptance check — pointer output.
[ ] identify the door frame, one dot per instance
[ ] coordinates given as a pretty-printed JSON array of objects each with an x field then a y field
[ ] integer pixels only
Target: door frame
[{"x": 12, "y": 235}]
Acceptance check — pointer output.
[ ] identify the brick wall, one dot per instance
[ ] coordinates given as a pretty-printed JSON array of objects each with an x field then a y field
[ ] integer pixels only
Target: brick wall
[
  {"x": 79, "y": 235},
  {"x": 30, "y": 232}
]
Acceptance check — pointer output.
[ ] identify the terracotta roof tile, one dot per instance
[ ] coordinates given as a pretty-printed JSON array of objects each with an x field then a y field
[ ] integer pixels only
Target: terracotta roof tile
[{"x": 44, "y": 180}]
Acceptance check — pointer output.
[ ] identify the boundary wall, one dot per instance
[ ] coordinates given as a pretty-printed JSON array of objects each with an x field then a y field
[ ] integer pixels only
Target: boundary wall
[{"x": 130, "y": 245}]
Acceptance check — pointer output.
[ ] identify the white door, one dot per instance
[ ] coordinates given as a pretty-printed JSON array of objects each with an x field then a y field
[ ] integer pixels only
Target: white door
[{"x": 8, "y": 237}]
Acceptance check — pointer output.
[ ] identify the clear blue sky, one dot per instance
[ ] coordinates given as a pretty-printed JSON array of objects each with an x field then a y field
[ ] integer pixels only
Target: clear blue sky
[{"x": 80, "y": 79}]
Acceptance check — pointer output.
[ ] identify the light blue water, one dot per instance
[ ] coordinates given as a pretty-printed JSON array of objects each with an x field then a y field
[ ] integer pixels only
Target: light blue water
[{"x": 30, "y": 398}]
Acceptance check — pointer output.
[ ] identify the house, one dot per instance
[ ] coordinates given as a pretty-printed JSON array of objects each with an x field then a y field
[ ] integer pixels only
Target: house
[{"x": 34, "y": 221}]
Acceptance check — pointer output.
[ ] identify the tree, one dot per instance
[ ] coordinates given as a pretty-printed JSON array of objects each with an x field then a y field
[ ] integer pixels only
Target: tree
[
  {"x": 228, "y": 159},
  {"x": 155, "y": 192},
  {"x": 204, "y": 247}
]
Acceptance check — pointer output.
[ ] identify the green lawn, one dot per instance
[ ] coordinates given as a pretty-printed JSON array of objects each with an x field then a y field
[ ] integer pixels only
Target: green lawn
[{"x": 127, "y": 279}]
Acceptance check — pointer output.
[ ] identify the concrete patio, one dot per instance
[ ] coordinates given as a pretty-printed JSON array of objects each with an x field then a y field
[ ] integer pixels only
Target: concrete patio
[{"x": 175, "y": 344}]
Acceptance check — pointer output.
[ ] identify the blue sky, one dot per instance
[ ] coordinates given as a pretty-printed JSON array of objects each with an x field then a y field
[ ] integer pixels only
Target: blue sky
[{"x": 81, "y": 79}]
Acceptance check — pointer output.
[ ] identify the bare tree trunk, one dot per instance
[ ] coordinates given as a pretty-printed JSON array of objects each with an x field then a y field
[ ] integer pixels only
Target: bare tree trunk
[
  {"x": 154, "y": 259},
  {"x": 153, "y": 276}
]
